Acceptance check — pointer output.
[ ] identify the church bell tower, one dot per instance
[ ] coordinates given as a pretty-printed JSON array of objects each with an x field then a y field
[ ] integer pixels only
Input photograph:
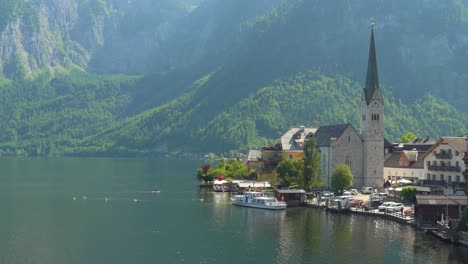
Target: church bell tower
[{"x": 372, "y": 127}]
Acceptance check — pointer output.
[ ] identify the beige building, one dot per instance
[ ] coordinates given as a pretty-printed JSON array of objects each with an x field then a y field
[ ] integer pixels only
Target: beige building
[{"x": 289, "y": 146}]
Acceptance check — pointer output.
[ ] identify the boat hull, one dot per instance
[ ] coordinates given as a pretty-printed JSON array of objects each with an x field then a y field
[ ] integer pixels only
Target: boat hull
[{"x": 261, "y": 206}]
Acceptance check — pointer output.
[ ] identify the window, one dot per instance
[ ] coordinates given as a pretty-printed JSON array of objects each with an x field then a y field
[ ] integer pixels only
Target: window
[
  {"x": 449, "y": 178},
  {"x": 290, "y": 156},
  {"x": 433, "y": 177},
  {"x": 457, "y": 164},
  {"x": 349, "y": 138},
  {"x": 449, "y": 151},
  {"x": 457, "y": 178},
  {"x": 448, "y": 163},
  {"x": 434, "y": 163},
  {"x": 442, "y": 177},
  {"x": 428, "y": 177},
  {"x": 348, "y": 161},
  {"x": 457, "y": 153}
]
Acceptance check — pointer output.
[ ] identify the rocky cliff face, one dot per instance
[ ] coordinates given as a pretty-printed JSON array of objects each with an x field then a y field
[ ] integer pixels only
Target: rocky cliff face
[{"x": 117, "y": 35}]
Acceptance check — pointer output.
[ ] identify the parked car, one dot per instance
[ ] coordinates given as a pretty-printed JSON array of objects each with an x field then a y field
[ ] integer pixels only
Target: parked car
[
  {"x": 356, "y": 203},
  {"x": 376, "y": 197},
  {"x": 348, "y": 197},
  {"x": 368, "y": 205},
  {"x": 346, "y": 193},
  {"x": 353, "y": 191},
  {"x": 367, "y": 190},
  {"x": 327, "y": 196},
  {"x": 383, "y": 194},
  {"x": 384, "y": 206},
  {"x": 408, "y": 212},
  {"x": 395, "y": 207}
]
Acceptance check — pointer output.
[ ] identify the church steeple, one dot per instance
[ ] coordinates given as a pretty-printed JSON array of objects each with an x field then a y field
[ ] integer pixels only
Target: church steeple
[{"x": 372, "y": 79}]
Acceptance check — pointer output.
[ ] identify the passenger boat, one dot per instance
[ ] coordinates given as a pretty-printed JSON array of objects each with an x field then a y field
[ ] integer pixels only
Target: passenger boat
[{"x": 258, "y": 200}]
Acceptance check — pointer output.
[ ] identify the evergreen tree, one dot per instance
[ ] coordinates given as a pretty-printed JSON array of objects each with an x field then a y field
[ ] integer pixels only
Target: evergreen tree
[{"x": 312, "y": 162}]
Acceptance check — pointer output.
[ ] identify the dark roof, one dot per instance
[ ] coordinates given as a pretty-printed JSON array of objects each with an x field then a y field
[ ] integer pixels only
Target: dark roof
[
  {"x": 420, "y": 144},
  {"x": 292, "y": 191},
  {"x": 441, "y": 200},
  {"x": 388, "y": 145},
  {"x": 372, "y": 79},
  {"x": 392, "y": 161},
  {"x": 325, "y": 133}
]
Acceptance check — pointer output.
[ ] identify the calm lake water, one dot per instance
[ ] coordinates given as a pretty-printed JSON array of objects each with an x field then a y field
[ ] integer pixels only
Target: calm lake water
[{"x": 45, "y": 218}]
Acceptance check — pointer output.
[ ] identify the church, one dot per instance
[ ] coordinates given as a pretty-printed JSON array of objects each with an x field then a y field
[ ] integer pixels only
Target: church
[{"x": 363, "y": 151}]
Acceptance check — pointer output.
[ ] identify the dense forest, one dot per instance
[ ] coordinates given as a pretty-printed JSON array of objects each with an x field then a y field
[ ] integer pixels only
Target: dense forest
[{"x": 110, "y": 78}]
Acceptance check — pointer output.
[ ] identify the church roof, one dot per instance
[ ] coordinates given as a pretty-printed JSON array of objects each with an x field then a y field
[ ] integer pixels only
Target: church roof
[
  {"x": 372, "y": 79},
  {"x": 325, "y": 133}
]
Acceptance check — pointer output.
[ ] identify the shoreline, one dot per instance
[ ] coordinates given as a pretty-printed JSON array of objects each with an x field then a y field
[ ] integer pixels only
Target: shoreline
[{"x": 396, "y": 217}]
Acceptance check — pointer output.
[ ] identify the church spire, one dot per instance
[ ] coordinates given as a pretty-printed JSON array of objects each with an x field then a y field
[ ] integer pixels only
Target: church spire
[{"x": 372, "y": 79}]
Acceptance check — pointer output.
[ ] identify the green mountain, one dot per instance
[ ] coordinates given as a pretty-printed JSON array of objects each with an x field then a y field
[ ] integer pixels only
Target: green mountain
[{"x": 128, "y": 78}]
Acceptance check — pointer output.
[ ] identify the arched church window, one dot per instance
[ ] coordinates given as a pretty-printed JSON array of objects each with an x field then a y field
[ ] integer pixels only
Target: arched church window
[{"x": 348, "y": 161}]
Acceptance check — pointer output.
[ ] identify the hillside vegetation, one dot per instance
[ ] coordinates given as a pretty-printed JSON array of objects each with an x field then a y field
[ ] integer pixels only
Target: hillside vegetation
[{"x": 144, "y": 78}]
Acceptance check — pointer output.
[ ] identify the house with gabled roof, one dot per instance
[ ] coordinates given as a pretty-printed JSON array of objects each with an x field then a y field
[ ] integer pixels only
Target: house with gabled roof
[
  {"x": 445, "y": 163},
  {"x": 406, "y": 164}
]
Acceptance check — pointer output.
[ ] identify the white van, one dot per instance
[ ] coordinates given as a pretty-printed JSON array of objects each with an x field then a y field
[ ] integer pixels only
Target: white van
[{"x": 367, "y": 190}]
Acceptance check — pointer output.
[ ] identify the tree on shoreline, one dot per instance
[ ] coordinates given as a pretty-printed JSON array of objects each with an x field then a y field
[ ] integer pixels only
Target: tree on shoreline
[
  {"x": 311, "y": 161},
  {"x": 289, "y": 172},
  {"x": 342, "y": 178},
  {"x": 228, "y": 169}
]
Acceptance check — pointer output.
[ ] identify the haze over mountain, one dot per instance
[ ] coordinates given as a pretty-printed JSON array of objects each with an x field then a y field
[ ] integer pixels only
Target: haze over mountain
[{"x": 143, "y": 77}]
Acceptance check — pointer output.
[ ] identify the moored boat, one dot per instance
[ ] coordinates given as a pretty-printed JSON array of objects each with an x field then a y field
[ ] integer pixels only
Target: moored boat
[{"x": 258, "y": 200}]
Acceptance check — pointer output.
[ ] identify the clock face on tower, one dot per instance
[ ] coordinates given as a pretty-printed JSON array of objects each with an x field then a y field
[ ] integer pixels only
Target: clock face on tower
[{"x": 375, "y": 103}]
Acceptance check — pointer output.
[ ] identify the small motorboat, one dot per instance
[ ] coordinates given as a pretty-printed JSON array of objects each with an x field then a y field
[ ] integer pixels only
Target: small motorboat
[{"x": 155, "y": 190}]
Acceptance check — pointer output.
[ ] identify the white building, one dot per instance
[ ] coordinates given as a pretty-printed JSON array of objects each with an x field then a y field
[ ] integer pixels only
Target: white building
[{"x": 444, "y": 163}]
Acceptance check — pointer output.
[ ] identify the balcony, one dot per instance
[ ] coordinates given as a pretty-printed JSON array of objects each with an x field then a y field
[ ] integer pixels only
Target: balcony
[
  {"x": 444, "y": 155},
  {"x": 444, "y": 168}
]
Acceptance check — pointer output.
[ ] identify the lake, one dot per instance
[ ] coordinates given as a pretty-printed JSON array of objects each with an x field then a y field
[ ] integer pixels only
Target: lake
[{"x": 55, "y": 211}]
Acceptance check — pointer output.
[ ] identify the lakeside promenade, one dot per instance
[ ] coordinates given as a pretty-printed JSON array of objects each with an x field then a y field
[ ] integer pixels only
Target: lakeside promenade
[{"x": 398, "y": 216}]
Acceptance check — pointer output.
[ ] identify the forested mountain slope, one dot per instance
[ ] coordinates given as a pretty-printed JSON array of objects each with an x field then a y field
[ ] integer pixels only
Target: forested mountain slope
[{"x": 142, "y": 77}]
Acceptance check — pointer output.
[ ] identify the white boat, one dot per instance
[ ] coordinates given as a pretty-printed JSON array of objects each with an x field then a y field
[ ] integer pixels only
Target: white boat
[{"x": 258, "y": 200}]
